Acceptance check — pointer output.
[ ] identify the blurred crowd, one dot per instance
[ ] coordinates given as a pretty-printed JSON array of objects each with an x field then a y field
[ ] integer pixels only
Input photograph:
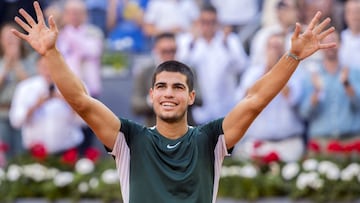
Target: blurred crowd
[{"x": 228, "y": 43}]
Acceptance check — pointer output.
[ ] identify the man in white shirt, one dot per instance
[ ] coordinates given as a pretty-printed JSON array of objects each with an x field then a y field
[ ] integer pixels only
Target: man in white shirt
[
  {"x": 218, "y": 59},
  {"x": 350, "y": 38},
  {"x": 43, "y": 115},
  {"x": 173, "y": 16}
]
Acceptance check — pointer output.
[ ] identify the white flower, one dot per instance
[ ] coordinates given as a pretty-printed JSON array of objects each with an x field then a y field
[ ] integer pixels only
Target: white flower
[
  {"x": 290, "y": 170},
  {"x": 36, "y": 171},
  {"x": 51, "y": 173},
  {"x": 230, "y": 171},
  {"x": 84, "y": 166},
  {"x": 83, "y": 187},
  {"x": 224, "y": 171},
  {"x": 63, "y": 179},
  {"x": 329, "y": 169},
  {"x": 351, "y": 171},
  {"x": 93, "y": 183},
  {"x": 13, "y": 173},
  {"x": 110, "y": 176},
  {"x": 310, "y": 165},
  {"x": 311, "y": 179},
  {"x": 248, "y": 171}
]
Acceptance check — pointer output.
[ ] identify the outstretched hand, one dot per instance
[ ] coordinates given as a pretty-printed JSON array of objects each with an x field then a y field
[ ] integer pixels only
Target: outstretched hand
[
  {"x": 39, "y": 36},
  {"x": 307, "y": 43}
]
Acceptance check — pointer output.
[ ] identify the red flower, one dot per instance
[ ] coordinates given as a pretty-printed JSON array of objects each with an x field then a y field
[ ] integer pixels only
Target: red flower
[
  {"x": 314, "y": 146},
  {"x": 70, "y": 156},
  {"x": 271, "y": 157},
  {"x": 356, "y": 146},
  {"x": 92, "y": 153},
  {"x": 335, "y": 147},
  {"x": 38, "y": 151},
  {"x": 3, "y": 147},
  {"x": 352, "y": 146}
]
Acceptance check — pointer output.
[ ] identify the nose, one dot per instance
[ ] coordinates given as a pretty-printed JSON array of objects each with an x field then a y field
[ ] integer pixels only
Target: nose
[{"x": 169, "y": 92}]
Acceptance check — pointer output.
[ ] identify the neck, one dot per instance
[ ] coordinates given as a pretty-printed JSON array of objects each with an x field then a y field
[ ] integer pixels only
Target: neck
[
  {"x": 172, "y": 130},
  {"x": 355, "y": 32},
  {"x": 331, "y": 65}
]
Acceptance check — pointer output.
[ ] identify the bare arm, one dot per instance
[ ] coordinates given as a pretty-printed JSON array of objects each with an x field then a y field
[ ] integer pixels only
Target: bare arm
[
  {"x": 266, "y": 88},
  {"x": 102, "y": 121}
]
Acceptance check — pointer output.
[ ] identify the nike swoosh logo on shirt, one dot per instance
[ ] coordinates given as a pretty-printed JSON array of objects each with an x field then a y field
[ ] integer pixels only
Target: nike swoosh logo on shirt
[{"x": 172, "y": 146}]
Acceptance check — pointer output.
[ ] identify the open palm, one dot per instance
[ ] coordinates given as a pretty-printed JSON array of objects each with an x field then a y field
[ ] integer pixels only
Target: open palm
[
  {"x": 39, "y": 36},
  {"x": 305, "y": 44}
]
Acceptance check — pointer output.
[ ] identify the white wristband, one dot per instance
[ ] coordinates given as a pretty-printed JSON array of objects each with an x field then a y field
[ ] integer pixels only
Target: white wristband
[{"x": 289, "y": 54}]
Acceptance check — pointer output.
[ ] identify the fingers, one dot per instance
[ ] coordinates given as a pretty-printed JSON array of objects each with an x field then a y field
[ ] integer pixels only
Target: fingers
[
  {"x": 326, "y": 33},
  {"x": 314, "y": 21},
  {"x": 27, "y": 17},
  {"x": 297, "y": 30},
  {"x": 22, "y": 24},
  {"x": 19, "y": 34},
  {"x": 322, "y": 25},
  {"x": 52, "y": 24},
  {"x": 327, "y": 45},
  {"x": 39, "y": 14}
]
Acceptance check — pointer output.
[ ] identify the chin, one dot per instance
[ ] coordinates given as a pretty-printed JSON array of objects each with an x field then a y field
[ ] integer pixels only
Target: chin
[{"x": 172, "y": 118}]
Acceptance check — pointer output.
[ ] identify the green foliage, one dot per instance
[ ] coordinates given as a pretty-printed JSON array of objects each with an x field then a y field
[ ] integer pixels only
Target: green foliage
[
  {"x": 329, "y": 181},
  {"x": 116, "y": 60},
  {"x": 318, "y": 178}
]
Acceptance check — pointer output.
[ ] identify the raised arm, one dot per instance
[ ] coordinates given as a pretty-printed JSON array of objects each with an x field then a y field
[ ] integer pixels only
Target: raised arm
[
  {"x": 266, "y": 88},
  {"x": 43, "y": 39}
]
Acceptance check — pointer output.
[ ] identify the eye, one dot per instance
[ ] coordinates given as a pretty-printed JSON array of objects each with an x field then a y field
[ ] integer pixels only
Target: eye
[
  {"x": 160, "y": 86},
  {"x": 179, "y": 87}
]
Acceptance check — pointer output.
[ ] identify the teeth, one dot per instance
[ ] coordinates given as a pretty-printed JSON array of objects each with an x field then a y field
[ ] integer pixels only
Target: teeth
[{"x": 168, "y": 104}]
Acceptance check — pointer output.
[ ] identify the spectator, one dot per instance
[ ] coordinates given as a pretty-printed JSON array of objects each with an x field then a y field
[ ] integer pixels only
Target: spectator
[
  {"x": 241, "y": 17},
  {"x": 328, "y": 8},
  {"x": 174, "y": 16},
  {"x": 215, "y": 56},
  {"x": 278, "y": 128},
  {"x": 81, "y": 44},
  {"x": 43, "y": 116},
  {"x": 331, "y": 102},
  {"x": 287, "y": 14},
  {"x": 350, "y": 37},
  {"x": 164, "y": 50},
  {"x": 15, "y": 66},
  {"x": 125, "y": 22}
]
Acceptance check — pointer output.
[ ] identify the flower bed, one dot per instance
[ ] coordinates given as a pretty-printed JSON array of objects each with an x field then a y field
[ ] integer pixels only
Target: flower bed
[{"x": 328, "y": 176}]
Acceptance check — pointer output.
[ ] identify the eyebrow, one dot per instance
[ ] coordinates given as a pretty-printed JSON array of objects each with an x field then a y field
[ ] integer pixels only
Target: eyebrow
[{"x": 174, "y": 84}]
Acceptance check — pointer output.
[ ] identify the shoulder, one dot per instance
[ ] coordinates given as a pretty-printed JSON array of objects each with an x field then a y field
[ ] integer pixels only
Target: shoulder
[
  {"x": 212, "y": 127},
  {"x": 129, "y": 126},
  {"x": 94, "y": 31}
]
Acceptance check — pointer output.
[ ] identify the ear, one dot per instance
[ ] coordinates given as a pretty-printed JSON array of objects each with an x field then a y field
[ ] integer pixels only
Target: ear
[
  {"x": 149, "y": 98},
  {"x": 192, "y": 95}
]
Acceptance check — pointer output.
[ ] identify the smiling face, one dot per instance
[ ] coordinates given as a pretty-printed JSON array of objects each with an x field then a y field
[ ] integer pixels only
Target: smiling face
[{"x": 171, "y": 97}]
